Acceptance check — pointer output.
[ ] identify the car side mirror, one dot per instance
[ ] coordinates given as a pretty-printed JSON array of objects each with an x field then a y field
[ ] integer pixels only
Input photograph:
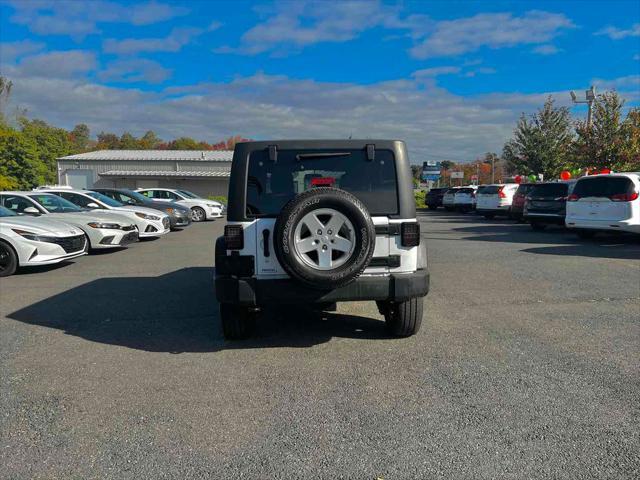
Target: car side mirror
[
  {"x": 93, "y": 205},
  {"x": 31, "y": 211}
]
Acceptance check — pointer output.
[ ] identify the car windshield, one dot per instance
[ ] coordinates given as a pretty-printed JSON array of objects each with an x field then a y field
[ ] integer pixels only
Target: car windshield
[
  {"x": 270, "y": 185},
  {"x": 550, "y": 190},
  {"x": 5, "y": 212},
  {"x": 55, "y": 204},
  {"x": 188, "y": 194},
  {"x": 104, "y": 199},
  {"x": 138, "y": 196}
]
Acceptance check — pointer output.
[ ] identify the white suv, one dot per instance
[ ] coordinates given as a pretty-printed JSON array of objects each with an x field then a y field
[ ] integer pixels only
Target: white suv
[
  {"x": 465, "y": 198},
  {"x": 201, "y": 208},
  {"x": 605, "y": 202},
  {"x": 316, "y": 222},
  {"x": 496, "y": 199}
]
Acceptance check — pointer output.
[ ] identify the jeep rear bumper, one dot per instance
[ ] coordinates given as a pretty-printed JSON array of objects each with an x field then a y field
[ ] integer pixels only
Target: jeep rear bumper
[{"x": 252, "y": 292}]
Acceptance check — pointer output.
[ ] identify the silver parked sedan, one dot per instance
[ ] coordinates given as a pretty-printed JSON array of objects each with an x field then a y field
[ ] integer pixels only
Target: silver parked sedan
[{"x": 103, "y": 229}]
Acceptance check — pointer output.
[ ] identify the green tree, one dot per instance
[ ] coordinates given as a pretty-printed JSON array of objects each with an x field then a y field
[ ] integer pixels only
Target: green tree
[
  {"x": 50, "y": 142},
  {"x": 185, "y": 143},
  {"x": 541, "y": 143},
  {"x": 80, "y": 138},
  {"x": 108, "y": 141},
  {"x": 631, "y": 133},
  {"x": 609, "y": 141},
  {"x": 149, "y": 141},
  {"x": 128, "y": 142},
  {"x": 19, "y": 165}
]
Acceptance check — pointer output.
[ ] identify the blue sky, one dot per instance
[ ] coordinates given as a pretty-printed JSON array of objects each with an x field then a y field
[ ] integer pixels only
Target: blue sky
[{"x": 449, "y": 77}]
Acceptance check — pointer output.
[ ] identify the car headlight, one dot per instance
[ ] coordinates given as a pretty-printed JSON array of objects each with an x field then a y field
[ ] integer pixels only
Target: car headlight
[
  {"x": 110, "y": 226},
  {"x": 213, "y": 205},
  {"x": 28, "y": 235},
  {"x": 147, "y": 217},
  {"x": 169, "y": 210}
]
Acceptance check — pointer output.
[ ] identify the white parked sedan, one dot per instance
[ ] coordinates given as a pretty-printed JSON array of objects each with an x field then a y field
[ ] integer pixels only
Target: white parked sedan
[
  {"x": 201, "y": 208},
  {"x": 150, "y": 222},
  {"x": 30, "y": 241},
  {"x": 103, "y": 229}
]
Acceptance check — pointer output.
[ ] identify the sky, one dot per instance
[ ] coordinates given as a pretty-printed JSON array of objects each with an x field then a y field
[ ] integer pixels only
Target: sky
[{"x": 450, "y": 78}]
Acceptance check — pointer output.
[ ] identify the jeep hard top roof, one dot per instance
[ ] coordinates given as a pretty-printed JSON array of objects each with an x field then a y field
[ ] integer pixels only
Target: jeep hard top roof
[{"x": 243, "y": 152}]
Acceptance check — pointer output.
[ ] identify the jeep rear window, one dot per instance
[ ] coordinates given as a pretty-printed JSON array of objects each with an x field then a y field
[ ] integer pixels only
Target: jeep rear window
[{"x": 270, "y": 185}]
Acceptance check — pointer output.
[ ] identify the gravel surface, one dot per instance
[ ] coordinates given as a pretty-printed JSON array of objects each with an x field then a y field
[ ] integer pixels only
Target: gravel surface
[{"x": 527, "y": 366}]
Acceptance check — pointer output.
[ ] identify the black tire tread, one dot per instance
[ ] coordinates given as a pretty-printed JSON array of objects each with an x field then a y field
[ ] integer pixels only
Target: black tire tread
[
  {"x": 12, "y": 268},
  {"x": 404, "y": 319},
  {"x": 238, "y": 322}
]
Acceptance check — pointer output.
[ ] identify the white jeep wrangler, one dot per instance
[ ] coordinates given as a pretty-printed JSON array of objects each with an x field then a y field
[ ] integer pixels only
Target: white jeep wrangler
[{"x": 318, "y": 222}]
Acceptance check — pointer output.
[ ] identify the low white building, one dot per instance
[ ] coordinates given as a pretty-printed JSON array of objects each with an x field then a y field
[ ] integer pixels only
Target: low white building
[{"x": 205, "y": 172}]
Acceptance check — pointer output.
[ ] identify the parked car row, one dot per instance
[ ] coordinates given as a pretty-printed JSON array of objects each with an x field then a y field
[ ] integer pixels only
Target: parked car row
[
  {"x": 53, "y": 224},
  {"x": 606, "y": 202}
]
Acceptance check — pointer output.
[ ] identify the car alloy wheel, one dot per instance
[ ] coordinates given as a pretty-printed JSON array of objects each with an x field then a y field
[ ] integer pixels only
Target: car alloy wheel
[
  {"x": 198, "y": 214},
  {"x": 8, "y": 260}
]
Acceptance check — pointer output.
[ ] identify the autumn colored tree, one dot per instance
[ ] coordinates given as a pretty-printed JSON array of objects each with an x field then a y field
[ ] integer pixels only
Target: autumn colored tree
[
  {"x": 609, "y": 141},
  {"x": 80, "y": 138}
]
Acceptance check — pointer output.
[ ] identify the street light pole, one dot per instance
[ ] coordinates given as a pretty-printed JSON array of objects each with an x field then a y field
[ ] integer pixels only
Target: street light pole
[{"x": 590, "y": 96}]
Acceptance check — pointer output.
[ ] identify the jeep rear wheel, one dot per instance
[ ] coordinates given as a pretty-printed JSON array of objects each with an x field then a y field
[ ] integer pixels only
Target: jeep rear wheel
[
  {"x": 324, "y": 238},
  {"x": 403, "y": 319},
  {"x": 238, "y": 322}
]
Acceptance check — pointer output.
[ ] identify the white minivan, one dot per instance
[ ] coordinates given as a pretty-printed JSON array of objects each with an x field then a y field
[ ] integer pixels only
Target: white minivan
[
  {"x": 492, "y": 200},
  {"x": 605, "y": 202}
]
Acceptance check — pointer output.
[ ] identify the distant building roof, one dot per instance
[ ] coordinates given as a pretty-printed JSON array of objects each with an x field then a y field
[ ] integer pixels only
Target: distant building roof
[
  {"x": 153, "y": 155},
  {"x": 165, "y": 173}
]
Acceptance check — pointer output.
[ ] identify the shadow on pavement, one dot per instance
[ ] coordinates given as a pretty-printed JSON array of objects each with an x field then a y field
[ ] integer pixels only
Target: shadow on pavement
[{"x": 177, "y": 312}]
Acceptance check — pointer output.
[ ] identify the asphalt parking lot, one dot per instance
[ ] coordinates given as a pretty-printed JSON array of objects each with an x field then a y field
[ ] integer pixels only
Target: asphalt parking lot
[{"x": 527, "y": 366}]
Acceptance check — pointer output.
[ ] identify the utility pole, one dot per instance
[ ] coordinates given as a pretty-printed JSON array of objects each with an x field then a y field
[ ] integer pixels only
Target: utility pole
[{"x": 590, "y": 99}]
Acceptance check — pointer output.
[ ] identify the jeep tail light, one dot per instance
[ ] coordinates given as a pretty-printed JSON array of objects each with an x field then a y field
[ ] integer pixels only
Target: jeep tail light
[
  {"x": 624, "y": 197},
  {"x": 572, "y": 198},
  {"x": 501, "y": 194},
  {"x": 410, "y": 234},
  {"x": 234, "y": 237}
]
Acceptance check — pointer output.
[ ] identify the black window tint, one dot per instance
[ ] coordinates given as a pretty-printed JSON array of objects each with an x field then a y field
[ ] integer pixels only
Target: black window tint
[
  {"x": 76, "y": 199},
  {"x": 270, "y": 185},
  {"x": 603, "y": 186},
  {"x": 466, "y": 190},
  {"x": 490, "y": 190},
  {"x": 550, "y": 190},
  {"x": 16, "y": 204}
]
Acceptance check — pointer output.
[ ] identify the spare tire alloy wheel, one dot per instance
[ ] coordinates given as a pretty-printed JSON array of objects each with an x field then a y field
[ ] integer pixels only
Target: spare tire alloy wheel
[
  {"x": 324, "y": 238},
  {"x": 324, "y": 246}
]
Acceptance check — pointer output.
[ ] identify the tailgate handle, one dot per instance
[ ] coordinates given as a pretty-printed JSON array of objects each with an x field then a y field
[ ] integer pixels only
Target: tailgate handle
[{"x": 265, "y": 242}]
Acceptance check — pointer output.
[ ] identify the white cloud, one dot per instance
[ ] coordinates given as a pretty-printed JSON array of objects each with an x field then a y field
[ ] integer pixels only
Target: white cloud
[
  {"x": 58, "y": 64},
  {"x": 433, "y": 121},
  {"x": 435, "y": 71},
  {"x": 618, "y": 33},
  {"x": 10, "y": 51},
  {"x": 79, "y": 18},
  {"x": 546, "y": 49},
  {"x": 134, "y": 70},
  {"x": 493, "y": 30},
  {"x": 295, "y": 25},
  {"x": 178, "y": 38}
]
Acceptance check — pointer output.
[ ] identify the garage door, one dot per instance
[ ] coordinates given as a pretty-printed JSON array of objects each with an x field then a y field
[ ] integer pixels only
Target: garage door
[{"x": 80, "y": 179}]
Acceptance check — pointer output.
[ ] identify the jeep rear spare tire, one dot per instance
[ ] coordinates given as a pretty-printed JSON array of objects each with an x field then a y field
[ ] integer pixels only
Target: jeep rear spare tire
[{"x": 324, "y": 238}]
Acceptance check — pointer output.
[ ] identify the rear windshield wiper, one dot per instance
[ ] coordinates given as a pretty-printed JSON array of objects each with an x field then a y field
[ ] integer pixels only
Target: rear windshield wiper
[{"x": 314, "y": 156}]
